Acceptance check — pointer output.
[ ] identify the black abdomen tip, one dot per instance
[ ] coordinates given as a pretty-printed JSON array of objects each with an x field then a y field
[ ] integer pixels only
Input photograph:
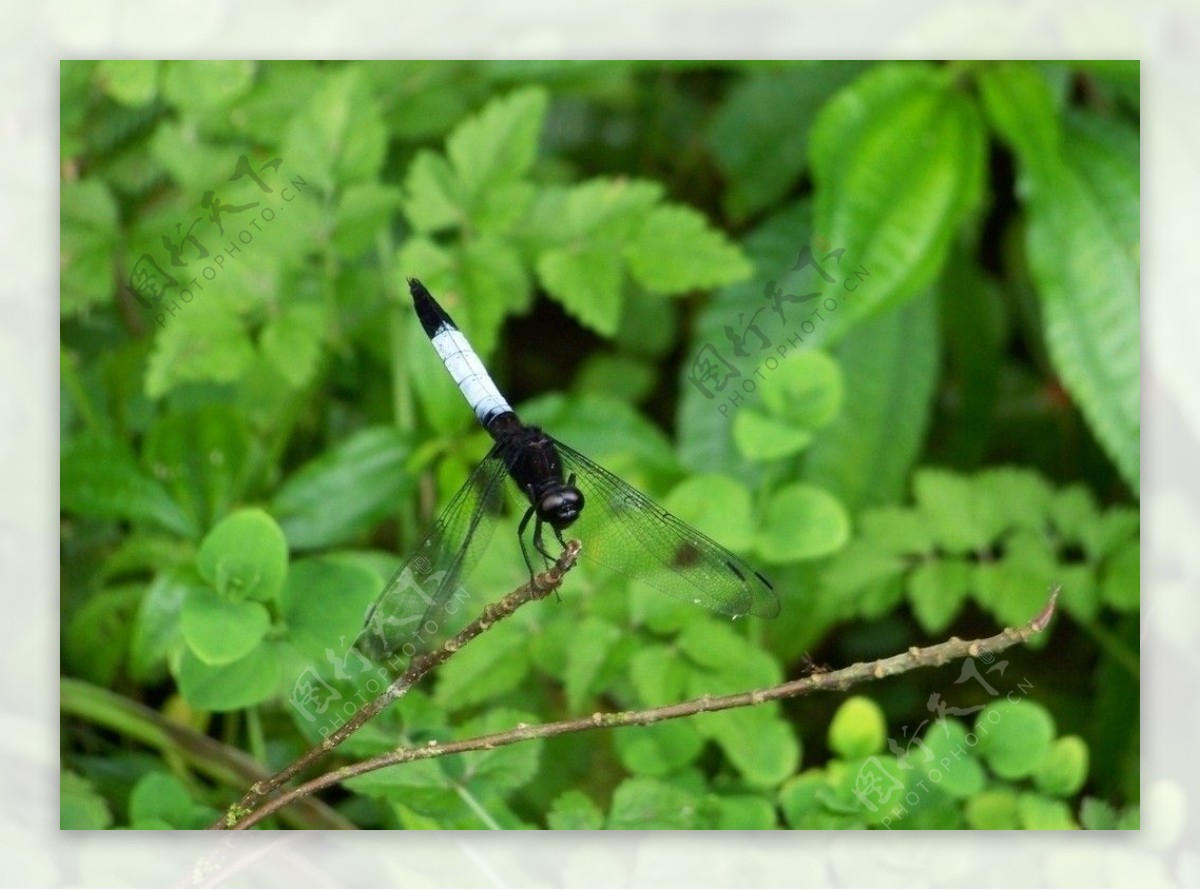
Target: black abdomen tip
[{"x": 433, "y": 316}]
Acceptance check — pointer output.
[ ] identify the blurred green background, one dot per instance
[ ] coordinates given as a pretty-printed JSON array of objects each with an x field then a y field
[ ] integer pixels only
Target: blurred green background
[{"x": 872, "y": 325}]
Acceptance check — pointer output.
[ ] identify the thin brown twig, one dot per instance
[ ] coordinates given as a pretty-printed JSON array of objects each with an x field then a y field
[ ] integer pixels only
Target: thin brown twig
[
  {"x": 539, "y": 587},
  {"x": 915, "y": 657}
]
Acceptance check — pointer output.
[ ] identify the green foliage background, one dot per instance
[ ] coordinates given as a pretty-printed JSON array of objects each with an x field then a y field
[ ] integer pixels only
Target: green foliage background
[{"x": 246, "y": 455}]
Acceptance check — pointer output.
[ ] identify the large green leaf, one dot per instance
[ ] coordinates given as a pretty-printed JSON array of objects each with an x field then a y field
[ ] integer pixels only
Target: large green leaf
[
  {"x": 345, "y": 490},
  {"x": 889, "y": 367},
  {"x": 1084, "y": 251},
  {"x": 898, "y": 162}
]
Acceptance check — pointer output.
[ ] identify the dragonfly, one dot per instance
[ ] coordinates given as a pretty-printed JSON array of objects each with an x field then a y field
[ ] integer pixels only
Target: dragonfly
[{"x": 620, "y": 528}]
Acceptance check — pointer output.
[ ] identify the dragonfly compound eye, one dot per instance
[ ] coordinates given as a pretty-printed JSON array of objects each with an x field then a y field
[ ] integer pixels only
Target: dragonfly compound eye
[{"x": 561, "y": 507}]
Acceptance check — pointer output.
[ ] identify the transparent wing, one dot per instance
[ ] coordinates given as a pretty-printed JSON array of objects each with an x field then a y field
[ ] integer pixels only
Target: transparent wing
[
  {"x": 625, "y": 531},
  {"x": 412, "y": 613}
]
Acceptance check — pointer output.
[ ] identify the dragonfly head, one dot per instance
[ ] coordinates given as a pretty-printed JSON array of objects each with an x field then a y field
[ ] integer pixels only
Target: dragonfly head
[{"x": 560, "y": 506}]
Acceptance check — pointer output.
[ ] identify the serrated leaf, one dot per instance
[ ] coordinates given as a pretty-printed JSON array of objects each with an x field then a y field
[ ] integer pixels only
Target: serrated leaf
[
  {"x": 291, "y": 342},
  {"x": 896, "y": 530},
  {"x": 1084, "y": 254},
  {"x": 499, "y": 144},
  {"x": 484, "y": 670},
  {"x": 245, "y": 556},
  {"x": 86, "y": 257},
  {"x": 505, "y": 768},
  {"x": 759, "y": 134},
  {"x": 587, "y": 281},
  {"x": 203, "y": 344},
  {"x": 649, "y": 803},
  {"x": 937, "y": 589},
  {"x": 574, "y": 811},
  {"x": 593, "y": 639},
  {"x": 202, "y": 84},
  {"x": 898, "y": 162},
  {"x": 802, "y": 522},
  {"x": 658, "y": 749},
  {"x": 676, "y": 250},
  {"x": 339, "y": 137},
  {"x": 364, "y": 208}
]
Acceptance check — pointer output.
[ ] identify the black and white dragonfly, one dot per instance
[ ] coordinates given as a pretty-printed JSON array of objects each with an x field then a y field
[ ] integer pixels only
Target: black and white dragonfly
[{"x": 620, "y": 528}]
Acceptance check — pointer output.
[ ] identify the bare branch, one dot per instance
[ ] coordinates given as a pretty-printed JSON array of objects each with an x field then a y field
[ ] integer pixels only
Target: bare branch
[
  {"x": 914, "y": 658},
  {"x": 539, "y": 587}
]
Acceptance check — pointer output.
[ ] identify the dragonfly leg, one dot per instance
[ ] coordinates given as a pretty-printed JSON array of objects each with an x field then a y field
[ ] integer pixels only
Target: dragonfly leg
[{"x": 529, "y": 514}]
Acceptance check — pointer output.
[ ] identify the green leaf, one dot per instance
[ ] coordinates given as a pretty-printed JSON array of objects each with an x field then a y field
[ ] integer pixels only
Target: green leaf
[
  {"x": 745, "y": 812},
  {"x": 1084, "y": 253},
  {"x": 344, "y": 491},
  {"x": 949, "y": 506},
  {"x": 339, "y": 138},
  {"x": 79, "y": 806},
  {"x": 889, "y": 370},
  {"x": 291, "y": 342},
  {"x": 574, "y": 811},
  {"x": 1014, "y": 737},
  {"x": 993, "y": 810},
  {"x": 323, "y": 603},
  {"x": 156, "y": 624},
  {"x": 805, "y": 389},
  {"x": 937, "y": 590},
  {"x": 99, "y": 477},
  {"x": 199, "y": 85},
  {"x": 1120, "y": 581},
  {"x": 659, "y": 748},
  {"x": 98, "y": 634},
  {"x": 220, "y": 631},
  {"x": 897, "y": 530},
  {"x": 858, "y": 729},
  {"x": 761, "y": 745},
  {"x": 129, "y": 81},
  {"x": 658, "y": 674},
  {"x": 951, "y": 764},
  {"x": 507, "y": 767},
  {"x": 762, "y": 438},
  {"x": 244, "y": 556},
  {"x": 203, "y": 455},
  {"x": 161, "y": 796},
  {"x": 587, "y": 280},
  {"x": 591, "y": 643},
  {"x": 676, "y": 250},
  {"x": 1038, "y": 813},
  {"x": 802, "y": 522},
  {"x": 648, "y": 803},
  {"x": 716, "y": 505},
  {"x": 898, "y": 163},
  {"x": 1021, "y": 106},
  {"x": 88, "y": 216},
  {"x": 203, "y": 344},
  {"x": 1016, "y": 587},
  {"x": 1065, "y": 769},
  {"x": 761, "y": 149},
  {"x": 484, "y": 671},
  {"x": 364, "y": 209},
  {"x": 616, "y": 376},
  {"x": 228, "y": 687},
  {"x": 499, "y": 144}
]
